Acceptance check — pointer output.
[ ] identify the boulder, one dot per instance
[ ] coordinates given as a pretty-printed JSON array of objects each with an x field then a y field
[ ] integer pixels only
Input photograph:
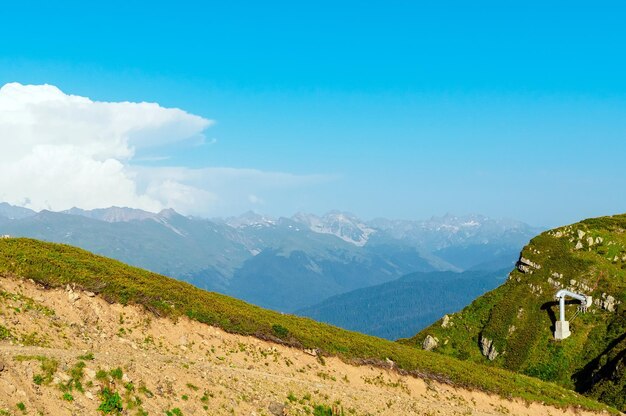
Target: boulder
[
  {"x": 430, "y": 343},
  {"x": 488, "y": 349}
]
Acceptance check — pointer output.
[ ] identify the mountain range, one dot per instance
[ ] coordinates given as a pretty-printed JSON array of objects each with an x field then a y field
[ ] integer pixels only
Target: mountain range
[{"x": 281, "y": 263}]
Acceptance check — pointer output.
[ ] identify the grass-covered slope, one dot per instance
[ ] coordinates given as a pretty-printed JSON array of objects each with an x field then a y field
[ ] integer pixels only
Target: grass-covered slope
[
  {"x": 55, "y": 265},
  {"x": 515, "y": 322}
]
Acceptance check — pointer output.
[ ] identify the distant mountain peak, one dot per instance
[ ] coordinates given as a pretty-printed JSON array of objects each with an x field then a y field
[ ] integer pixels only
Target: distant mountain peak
[
  {"x": 14, "y": 213},
  {"x": 114, "y": 214},
  {"x": 250, "y": 219},
  {"x": 341, "y": 224}
]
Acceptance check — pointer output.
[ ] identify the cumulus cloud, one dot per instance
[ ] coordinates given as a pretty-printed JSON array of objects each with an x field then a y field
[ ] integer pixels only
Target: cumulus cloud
[{"x": 59, "y": 150}]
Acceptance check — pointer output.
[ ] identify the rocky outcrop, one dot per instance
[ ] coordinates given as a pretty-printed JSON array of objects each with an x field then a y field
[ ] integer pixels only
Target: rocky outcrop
[
  {"x": 525, "y": 265},
  {"x": 430, "y": 343},
  {"x": 608, "y": 302},
  {"x": 488, "y": 349}
]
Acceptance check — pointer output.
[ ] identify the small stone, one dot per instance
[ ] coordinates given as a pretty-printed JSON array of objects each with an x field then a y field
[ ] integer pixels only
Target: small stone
[
  {"x": 89, "y": 395},
  {"x": 277, "y": 409},
  {"x": 581, "y": 234},
  {"x": 89, "y": 294},
  {"x": 446, "y": 321}
]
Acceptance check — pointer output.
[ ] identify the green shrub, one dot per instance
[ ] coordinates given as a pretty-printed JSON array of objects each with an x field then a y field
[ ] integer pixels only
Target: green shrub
[
  {"x": 87, "y": 357},
  {"x": 280, "y": 331},
  {"x": 117, "y": 373},
  {"x": 4, "y": 333},
  {"x": 111, "y": 401}
]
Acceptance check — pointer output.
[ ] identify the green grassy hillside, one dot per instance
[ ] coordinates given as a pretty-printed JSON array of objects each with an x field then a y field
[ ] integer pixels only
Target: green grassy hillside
[
  {"x": 55, "y": 265},
  {"x": 515, "y": 322}
]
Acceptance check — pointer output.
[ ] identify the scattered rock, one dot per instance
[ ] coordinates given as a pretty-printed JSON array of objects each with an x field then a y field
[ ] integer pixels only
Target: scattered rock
[
  {"x": 312, "y": 352},
  {"x": 579, "y": 245},
  {"x": 446, "y": 322},
  {"x": 430, "y": 343},
  {"x": 277, "y": 409},
  {"x": 530, "y": 263},
  {"x": 607, "y": 302},
  {"x": 89, "y": 294},
  {"x": 73, "y": 296},
  {"x": 581, "y": 234}
]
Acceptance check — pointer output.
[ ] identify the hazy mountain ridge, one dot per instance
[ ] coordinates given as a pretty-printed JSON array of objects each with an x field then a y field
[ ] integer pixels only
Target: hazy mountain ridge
[
  {"x": 399, "y": 308},
  {"x": 307, "y": 257}
]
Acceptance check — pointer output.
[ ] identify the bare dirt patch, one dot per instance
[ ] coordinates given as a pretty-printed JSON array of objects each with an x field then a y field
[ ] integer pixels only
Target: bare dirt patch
[{"x": 63, "y": 348}]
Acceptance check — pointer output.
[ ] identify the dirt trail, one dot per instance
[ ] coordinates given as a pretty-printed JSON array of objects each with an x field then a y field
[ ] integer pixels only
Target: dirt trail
[{"x": 191, "y": 367}]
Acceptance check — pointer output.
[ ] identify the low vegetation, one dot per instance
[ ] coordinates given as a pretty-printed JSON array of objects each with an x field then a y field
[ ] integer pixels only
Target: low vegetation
[
  {"x": 55, "y": 265},
  {"x": 518, "y": 317}
]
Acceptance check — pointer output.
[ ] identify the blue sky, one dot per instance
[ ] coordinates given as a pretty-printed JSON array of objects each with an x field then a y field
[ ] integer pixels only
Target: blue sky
[{"x": 396, "y": 109}]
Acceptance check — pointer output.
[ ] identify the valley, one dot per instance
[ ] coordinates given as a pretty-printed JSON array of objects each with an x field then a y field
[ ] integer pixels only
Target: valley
[{"x": 79, "y": 330}]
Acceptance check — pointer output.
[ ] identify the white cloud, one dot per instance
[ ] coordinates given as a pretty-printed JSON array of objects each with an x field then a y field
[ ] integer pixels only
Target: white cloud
[
  {"x": 217, "y": 190},
  {"x": 58, "y": 151}
]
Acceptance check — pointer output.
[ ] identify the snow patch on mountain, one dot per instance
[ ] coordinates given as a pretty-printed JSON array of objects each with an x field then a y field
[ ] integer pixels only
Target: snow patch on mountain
[
  {"x": 113, "y": 214},
  {"x": 250, "y": 219},
  {"x": 340, "y": 224}
]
